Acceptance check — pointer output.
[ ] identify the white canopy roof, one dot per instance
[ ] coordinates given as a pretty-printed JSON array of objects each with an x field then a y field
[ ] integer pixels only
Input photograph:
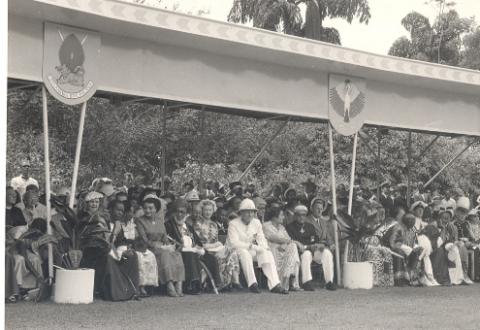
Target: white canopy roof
[{"x": 149, "y": 52}]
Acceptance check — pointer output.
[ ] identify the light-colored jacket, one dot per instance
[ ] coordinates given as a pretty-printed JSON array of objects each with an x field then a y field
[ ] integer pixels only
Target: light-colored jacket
[{"x": 241, "y": 236}]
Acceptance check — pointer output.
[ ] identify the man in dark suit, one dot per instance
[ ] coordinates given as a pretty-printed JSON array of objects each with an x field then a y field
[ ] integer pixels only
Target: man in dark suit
[
  {"x": 310, "y": 248},
  {"x": 323, "y": 225},
  {"x": 386, "y": 198}
]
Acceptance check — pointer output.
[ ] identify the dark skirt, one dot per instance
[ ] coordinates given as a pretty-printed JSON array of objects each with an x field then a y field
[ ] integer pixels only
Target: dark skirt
[
  {"x": 11, "y": 287},
  {"x": 120, "y": 279},
  {"x": 406, "y": 271},
  {"x": 95, "y": 259},
  {"x": 440, "y": 266},
  {"x": 211, "y": 262},
  {"x": 114, "y": 280},
  {"x": 192, "y": 267}
]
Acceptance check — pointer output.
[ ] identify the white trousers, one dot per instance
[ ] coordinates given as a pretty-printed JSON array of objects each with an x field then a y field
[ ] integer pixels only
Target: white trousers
[
  {"x": 456, "y": 273},
  {"x": 265, "y": 260},
  {"x": 425, "y": 243},
  {"x": 325, "y": 258}
]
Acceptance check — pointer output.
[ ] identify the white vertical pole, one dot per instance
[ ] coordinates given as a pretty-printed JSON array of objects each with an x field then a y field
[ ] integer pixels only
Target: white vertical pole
[
  {"x": 77, "y": 155},
  {"x": 47, "y": 178},
  {"x": 350, "y": 193},
  {"x": 334, "y": 204}
]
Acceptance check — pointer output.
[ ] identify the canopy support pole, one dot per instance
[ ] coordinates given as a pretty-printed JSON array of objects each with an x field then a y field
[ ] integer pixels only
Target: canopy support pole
[
  {"x": 409, "y": 165},
  {"x": 427, "y": 148},
  {"x": 379, "y": 168},
  {"x": 447, "y": 165},
  {"x": 334, "y": 204},
  {"x": 164, "y": 145},
  {"x": 202, "y": 148},
  {"x": 181, "y": 105},
  {"x": 78, "y": 151},
  {"x": 262, "y": 150},
  {"x": 350, "y": 192},
  {"x": 47, "y": 179}
]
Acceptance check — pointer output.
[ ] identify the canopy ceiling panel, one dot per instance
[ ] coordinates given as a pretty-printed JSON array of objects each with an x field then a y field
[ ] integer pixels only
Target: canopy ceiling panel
[{"x": 166, "y": 55}]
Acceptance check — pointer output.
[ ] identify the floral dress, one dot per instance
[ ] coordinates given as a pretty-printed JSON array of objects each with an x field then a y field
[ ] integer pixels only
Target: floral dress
[
  {"x": 228, "y": 261},
  {"x": 147, "y": 263},
  {"x": 285, "y": 255},
  {"x": 382, "y": 262}
]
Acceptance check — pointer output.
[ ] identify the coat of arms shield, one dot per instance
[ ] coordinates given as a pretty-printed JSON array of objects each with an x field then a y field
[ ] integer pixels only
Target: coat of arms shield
[
  {"x": 346, "y": 103},
  {"x": 70, "y": 63}
]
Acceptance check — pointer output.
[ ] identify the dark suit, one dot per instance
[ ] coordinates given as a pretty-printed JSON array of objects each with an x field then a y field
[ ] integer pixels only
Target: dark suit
[
  {"x": 306, "y": 234},
  {"x": 387, "y": 203},
  {"x": 324, "y": 229}
]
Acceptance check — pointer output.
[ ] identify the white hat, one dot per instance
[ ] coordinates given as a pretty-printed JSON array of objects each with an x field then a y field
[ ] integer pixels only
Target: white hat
[
  {"x": 300, "y": 208},
  {"x": 247, "y": 205},
  {"x": 107, "y": 189},
  {"x": 418, "y": 203},
  {"x": 25, "y": 162},
  {"x": 192, "y": 196},
  {"x": 463, "y": 202},
  {"x": 93, "y": 195}
]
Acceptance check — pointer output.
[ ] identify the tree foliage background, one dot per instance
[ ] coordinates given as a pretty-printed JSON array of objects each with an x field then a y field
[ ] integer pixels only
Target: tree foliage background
[{"x": 128, "y": 138}]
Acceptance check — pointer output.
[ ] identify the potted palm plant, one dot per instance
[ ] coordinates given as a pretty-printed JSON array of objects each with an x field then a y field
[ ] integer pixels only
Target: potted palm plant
[
  {"x": 357, "y": 272},
  {"x": 74, "y": 284}
]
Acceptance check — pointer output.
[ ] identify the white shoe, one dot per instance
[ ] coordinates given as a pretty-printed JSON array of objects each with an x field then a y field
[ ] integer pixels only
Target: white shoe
[
  {"x": 433, "y": 281},
  {"x": 424, "y": 281}
]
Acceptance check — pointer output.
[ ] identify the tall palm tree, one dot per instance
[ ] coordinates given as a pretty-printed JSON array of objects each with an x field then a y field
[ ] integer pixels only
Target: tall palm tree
[{"x": 286, "y": 16}]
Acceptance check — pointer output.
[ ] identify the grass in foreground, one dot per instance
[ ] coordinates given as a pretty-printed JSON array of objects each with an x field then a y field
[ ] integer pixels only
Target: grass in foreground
[{"x": 392, "y": 308}]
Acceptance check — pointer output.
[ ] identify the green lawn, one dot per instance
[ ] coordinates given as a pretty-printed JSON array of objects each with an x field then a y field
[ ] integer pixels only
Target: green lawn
[{"x": 393, "y": 308}]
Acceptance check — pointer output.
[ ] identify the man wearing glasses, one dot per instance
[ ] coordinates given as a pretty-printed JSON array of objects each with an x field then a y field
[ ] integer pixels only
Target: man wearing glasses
[{"x": 21, "y": 182}]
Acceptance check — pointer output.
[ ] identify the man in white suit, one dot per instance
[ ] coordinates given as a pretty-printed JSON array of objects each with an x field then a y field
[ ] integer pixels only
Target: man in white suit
[{"x": 245, "y": 235}]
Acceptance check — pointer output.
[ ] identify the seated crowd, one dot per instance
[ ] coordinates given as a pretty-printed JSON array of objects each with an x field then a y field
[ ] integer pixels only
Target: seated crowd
[{"x": 231, "y": 238}]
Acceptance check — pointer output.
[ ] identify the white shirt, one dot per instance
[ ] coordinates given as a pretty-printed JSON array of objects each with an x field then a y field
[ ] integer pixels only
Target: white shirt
[
  {"x": 20, "y": 184},
  {"x": 241, "y": 236}
]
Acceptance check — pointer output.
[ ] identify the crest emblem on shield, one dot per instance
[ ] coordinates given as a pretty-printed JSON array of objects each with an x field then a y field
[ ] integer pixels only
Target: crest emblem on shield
[
  {"x": 70, "y": 63},
  {"x": 346, "y": 106}
]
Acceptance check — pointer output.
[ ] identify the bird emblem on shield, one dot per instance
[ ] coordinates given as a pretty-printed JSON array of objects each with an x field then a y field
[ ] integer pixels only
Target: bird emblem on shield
[
  {"x": 346, "y": 103},
  {"x": 70, "y": 60}
]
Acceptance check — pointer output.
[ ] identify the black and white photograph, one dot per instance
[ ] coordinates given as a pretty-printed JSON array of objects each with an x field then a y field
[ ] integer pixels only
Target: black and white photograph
[{"x": 240, "y": 164}]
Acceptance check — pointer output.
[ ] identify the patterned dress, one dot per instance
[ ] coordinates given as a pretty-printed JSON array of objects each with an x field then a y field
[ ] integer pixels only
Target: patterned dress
[
  {"x": 228, "y": 261},
  {"x": 475, "y": 228},
  {"x": 285, "y": 255},
  {"x": 382, "y": 261}
]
